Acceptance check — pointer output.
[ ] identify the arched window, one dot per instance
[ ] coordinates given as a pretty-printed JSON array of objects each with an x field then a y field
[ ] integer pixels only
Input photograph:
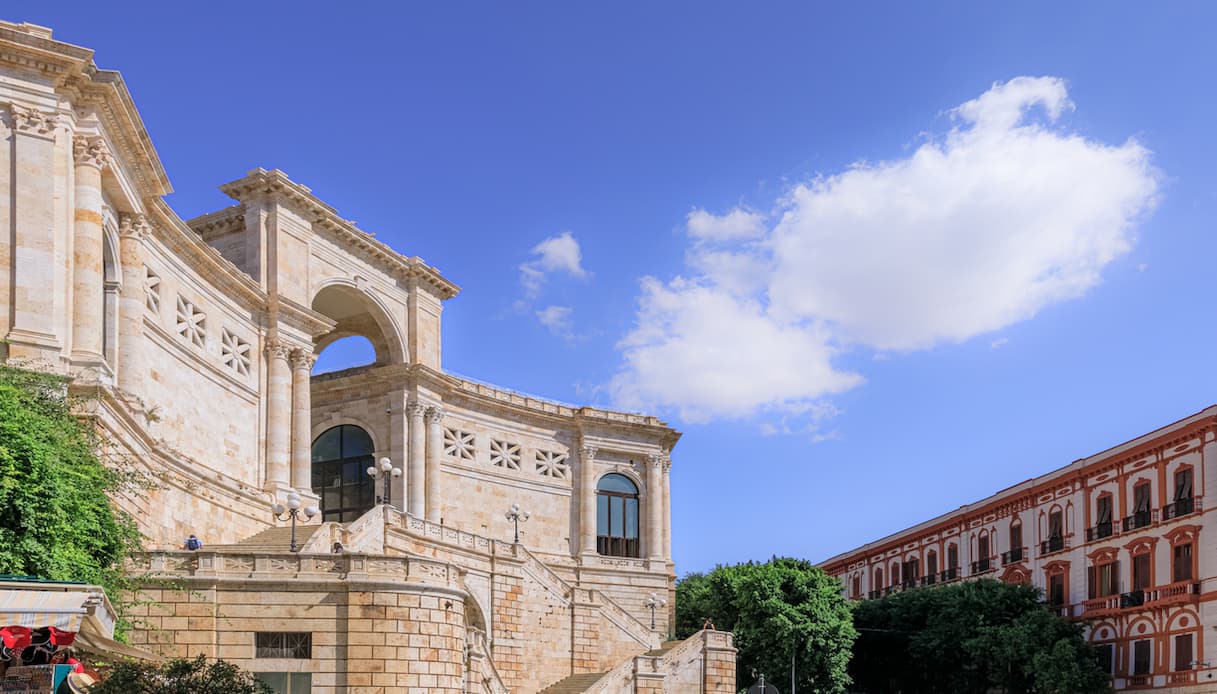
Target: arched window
[
  {"x": 617, "y": 516},
  {"x": 340, "y": 457}
]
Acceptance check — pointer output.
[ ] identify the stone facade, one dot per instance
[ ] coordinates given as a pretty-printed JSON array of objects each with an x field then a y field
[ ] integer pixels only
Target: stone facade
[
  {"x": 1115, "y": 541},
  {"x": 198, "y": 338}
]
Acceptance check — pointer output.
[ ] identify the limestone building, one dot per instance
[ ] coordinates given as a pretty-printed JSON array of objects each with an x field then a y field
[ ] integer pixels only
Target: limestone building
[
  {"x": 198, "y": 338},
  {"x": 1114, "y": 540}
]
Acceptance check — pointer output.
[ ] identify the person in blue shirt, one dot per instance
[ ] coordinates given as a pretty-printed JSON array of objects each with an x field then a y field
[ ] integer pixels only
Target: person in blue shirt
[{"x": 193, "y": 543}]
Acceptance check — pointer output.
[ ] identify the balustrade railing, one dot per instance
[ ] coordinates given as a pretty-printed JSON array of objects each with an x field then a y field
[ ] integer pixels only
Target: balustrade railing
[{"x": 1179, "y": 590}]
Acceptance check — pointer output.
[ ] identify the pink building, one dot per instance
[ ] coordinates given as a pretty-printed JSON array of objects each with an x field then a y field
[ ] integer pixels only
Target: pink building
[{"x": 1113, "y": 540}]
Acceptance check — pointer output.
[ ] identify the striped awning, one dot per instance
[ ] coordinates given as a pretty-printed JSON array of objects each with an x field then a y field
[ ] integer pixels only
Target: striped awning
[{"x": 63, "y": 610}]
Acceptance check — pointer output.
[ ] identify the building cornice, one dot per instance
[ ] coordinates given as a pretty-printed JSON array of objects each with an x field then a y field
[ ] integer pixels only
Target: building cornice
[
  {"x": 260, "y": 182},
  {"x": 72, "y": 72}
]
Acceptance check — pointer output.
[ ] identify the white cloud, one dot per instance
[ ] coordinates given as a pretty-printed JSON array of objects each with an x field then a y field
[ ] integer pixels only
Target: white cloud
[
  {"x": 736, "y": 224},
  {"x": 999, "y": 343},
  {"x": 556, "y": 254},
  {"x": 1004, "y": 215},
  {"x": 558, "y": 320}
]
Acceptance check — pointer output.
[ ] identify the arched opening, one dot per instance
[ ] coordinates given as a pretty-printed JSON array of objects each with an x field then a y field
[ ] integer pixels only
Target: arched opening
[
  {"x": 617, "y": 516},
  {"x": 357, "y": 314},
  {"x": 345, "y": 353},
  {"x": 341, "y": 455},
  {"x": 109, "y": 302}
]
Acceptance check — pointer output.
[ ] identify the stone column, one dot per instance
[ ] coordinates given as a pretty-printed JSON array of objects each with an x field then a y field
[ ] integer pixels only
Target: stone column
[
  {"x": 89, "y": 156},
  {"x": 667, "y": 508},
  {"x": 655, "y": 507},
  {"x": 302, "y": 420},
  {"x": 278, "y": 414},
  {"x": 133, "y": 230},
  {"x": 415, "y": 471},
  {"x": 435, "y": 449},
  {"x": 587, "y": 501}
]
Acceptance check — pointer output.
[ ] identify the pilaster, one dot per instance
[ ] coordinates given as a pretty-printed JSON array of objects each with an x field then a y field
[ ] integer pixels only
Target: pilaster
[
  {"x": 435, "y": 449},
  {"x": 301, "y": 363},
  {"x": 278, "y": 414},
  {"x": 133, "y": 231},
  {"x": 655, "y": 507},
  {"x": 416, "y": 470},
  {"x": 587, "y": 501}
]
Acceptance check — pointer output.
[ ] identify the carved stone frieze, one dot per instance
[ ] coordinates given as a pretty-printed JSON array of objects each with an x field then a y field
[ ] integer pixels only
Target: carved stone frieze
[
  {"x": 31, "y": 121},
  {"x": 134, "y": 225}
]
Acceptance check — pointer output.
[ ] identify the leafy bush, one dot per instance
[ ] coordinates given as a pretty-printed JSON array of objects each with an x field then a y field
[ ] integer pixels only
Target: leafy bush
[
  {"x": 180, "y": 677},
  {"x": 56, "y": 520}
]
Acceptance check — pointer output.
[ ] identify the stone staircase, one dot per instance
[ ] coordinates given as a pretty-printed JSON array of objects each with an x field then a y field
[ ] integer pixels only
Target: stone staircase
[
  {"x": 663, "y": 649},
  {"x": 276, "y": 539},
  {"x": 575, "y": 684}
]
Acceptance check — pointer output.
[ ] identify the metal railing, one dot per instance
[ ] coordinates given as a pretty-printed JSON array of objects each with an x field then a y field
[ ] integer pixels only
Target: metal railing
[
  {"x": 1140, "y": 519},
  {"x": 1180, "y": 507},
  {"x": 1100, "y": 531},
  {"x": 1015, "y": 555},
  {"x": 981, "y": 566},
  {"x": 1052, "y": 545}
]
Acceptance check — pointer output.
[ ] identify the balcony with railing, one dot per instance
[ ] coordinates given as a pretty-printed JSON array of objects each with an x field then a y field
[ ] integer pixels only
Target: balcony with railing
[
  {"x": 1180, "y": 508},
  {"x": 1133, "y": 598},
  {"x": 875, "y": 594},
  {"x": 1101, "y": 606},
  {"x": 1138, "y": 681},
  {"x": 984, "y": 566},
  {"x": 1184, "y": 677},
  {"x": 1177, "y": 593},
  {"x": 929, "y": 580},
  {"x": 948, "y": 575},
  {"x": 1014, "y": 556},
  {"x": 1140, "y": 519},
  {"x": 1062, "y": 610},
  {"x": 1100, "y": 531},
  {"x": 1053, "y": 545}
]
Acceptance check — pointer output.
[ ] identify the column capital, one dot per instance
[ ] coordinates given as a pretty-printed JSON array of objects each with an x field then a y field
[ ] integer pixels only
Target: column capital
[
  {"x": 435, "y": 414},
  {"x": 277, "y": 349},
  {"x": 133, "y": 225},
  {"x": 416, "y": 409},
  {"x": 301, "y": 360},
  {"x": 587, "y": 453},
  {"x": 90, "y": 151},
  {"x": 31, "y": 121},
  {"x": 657, "y": 460}
]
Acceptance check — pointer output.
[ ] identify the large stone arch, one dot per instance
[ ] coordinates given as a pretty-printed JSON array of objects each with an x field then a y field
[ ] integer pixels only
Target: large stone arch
[{"x": 357, "y": 311}]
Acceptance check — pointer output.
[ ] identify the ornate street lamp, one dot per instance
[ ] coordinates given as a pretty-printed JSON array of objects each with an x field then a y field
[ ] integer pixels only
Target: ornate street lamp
[
  {"x": 515, "y": 515},
  {"x": 293, "y": 511},
  {"x": 652, "y": 602},
  {"x": 385, "y": 472}
]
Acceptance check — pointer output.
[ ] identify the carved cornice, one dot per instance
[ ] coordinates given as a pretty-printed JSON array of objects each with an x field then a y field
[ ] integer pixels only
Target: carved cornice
[
  {"x": 261, "y": 182},
  {"x": 91, "y": 151},
  {"x": 32, "y": 121}
]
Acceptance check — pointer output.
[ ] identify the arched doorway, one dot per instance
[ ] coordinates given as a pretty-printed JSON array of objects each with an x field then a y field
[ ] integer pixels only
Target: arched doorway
[
  {"x": 341, "y": 455},
  {"x": 617, "y": 516}
]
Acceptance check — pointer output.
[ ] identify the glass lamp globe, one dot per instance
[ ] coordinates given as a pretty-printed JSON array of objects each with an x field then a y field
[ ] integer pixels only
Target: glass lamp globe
[
  {"x": 371, "y": 471},
  {"x": 386, "y": 464},
  {"x": 311, "y": 511},
  {"x": 278, "y": 509},
  {"x": 397, "y": 472}
]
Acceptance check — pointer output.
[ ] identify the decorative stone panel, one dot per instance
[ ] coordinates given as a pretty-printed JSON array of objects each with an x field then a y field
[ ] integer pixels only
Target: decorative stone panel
[
  {"x": 553, "y": 464},
  {"x": 505, "y": 454},
  {"x": 152, "y": 290},
  {"x": 459, "y": 444},
  {"x": 234, "y": 352},
  {"x": 191, "y": 322}
]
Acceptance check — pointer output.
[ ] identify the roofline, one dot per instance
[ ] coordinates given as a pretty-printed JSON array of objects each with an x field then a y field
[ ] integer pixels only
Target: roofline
[{"x": 1025, "y": 486}]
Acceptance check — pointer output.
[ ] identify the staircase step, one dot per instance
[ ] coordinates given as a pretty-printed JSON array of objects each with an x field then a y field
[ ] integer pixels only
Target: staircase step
[
  {"x": 575, "y": 684},
  {"x": 278, "y": 538},
  {"x": 663, "y": 648}
]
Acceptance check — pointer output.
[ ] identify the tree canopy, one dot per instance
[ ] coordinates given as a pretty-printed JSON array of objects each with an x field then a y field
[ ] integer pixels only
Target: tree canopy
[
  {"x": 777, "y": 609},
  {"x": 56, "y": 520},
  {"x": 973, "y": 636}
]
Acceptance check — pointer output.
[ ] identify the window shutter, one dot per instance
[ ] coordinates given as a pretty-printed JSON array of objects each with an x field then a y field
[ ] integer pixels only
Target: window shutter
[
  {"x": 1054, "y": 525},
  {"x": 1183, "y": 485},
  {"x": 1090, "y": 587},
  {"x": 1104, "y": 509},
  {"x": 1183, "y": 652},
  {"x": 1113, "y": 579},
  {"x": 1141, "y": 498}
]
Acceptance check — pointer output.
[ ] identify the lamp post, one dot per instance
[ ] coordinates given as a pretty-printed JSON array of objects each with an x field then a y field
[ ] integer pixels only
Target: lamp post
[
  {"x": 652, "y": 602},
  {"x": 292, "y": 511},
  {"x": 385, "y": 471},
  {"x": 515, "y": 515}
]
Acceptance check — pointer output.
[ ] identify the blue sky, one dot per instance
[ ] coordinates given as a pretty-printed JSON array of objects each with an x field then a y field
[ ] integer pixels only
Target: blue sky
[{"x": 874, "y": 261}]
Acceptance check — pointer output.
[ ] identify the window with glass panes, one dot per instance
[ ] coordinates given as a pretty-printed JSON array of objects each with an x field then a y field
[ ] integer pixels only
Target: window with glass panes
[
  {"x": 283, "y": 644},
  {"x": 1141, "y": 571},
  {"x": 1056, "y": 589},
  {"x": 617, "y": 516},
  {"x": 341, "y": 456},
  {"x": 1181, "y": 562}
]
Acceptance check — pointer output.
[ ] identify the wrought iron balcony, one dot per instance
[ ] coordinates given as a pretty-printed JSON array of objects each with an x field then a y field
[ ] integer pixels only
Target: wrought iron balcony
[
  {"x": 1140, "y": 519},
  {"x": 875, "y": 594},
  {"x": 951, "y": 574},
  {"x": 985, "y": 565},
  {"x": 1181, "y": 507},
  {"x": 1100, "y": 531},
  {"x": 1053, "y": 545},
  {"x": 929, "y": 579},
  {"x": 1013, "y": 556},
  {"x": 1134, "y": 598}
]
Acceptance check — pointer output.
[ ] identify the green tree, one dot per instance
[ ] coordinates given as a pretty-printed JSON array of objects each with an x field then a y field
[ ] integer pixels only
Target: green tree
[
  {"x": 975, "y": 636},
  {"x": 776, "y": 610},
  {"x": 56, "y": 520},
  {"x": 180, "y": 677}
]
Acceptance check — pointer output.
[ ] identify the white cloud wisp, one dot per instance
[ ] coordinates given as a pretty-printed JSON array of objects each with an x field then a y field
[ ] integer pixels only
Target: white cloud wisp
[
  {"x": 1004, "y": 215},
  {"x": 556, "y": 254}
]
